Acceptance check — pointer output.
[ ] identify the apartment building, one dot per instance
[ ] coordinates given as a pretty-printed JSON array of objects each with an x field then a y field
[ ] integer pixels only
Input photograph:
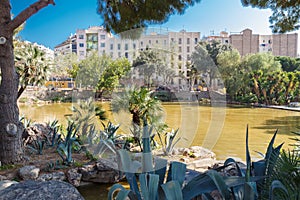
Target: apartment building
[
  {"x": 67, "y": 46},
  {"x": 175, "y": 47},
  {"x": 248, "y": 43}
]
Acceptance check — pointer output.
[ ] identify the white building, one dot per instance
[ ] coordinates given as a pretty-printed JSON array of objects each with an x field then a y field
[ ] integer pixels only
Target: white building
[{"x": 175, "y": 47}]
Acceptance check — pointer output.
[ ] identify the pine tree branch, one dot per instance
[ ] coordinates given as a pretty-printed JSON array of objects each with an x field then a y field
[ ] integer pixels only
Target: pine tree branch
[{"x": 28, "y": 12}]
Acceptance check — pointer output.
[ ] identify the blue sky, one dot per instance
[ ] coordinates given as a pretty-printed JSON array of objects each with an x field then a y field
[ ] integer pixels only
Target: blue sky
[{"x": 54, "y": 24}]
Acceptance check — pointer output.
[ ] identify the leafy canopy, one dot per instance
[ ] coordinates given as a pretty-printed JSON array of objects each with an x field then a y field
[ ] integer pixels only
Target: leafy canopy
[
  {"x": 285, "y": 16},
  {"x": 123, "y": 15}
]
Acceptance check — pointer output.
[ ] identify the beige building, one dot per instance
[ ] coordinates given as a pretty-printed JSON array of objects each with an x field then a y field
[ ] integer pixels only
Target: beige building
[
  {"x": 248, "y": 43},
  {"x": 175, "y": 47},
  {"x": 66, "y": 47}
]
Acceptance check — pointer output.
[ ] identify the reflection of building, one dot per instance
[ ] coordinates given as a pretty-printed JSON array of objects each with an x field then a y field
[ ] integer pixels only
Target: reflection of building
[
  {"x": 175, "y": 47},
  {"x": 247, "y": 43}
]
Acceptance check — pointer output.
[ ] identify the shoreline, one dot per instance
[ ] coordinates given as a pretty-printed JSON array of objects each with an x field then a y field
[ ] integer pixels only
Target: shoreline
[{"x": 296, "y": 109}]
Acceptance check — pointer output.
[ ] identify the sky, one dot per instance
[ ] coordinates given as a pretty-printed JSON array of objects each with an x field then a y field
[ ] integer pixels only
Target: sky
[{"x": 53, "y": 24}]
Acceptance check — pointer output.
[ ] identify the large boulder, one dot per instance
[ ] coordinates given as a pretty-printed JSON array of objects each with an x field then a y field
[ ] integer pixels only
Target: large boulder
[
  {"x": 41, "y": 190},
  {"x": 102, "y": 171},
  {"x": 6, "y": 183}
]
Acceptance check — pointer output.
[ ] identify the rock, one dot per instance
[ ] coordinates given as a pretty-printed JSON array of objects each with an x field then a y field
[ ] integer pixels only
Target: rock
[
  {"x": 37, "y": 190},
  {"x": 29, "y": 172},
  {"x": 6, "y": 183},
  {"x": 201, "y": 152},
  {"x": 103, "y": 171},
  {"x": 184, "y": 159},
  {"x": 186, "y": 152},
  {"x": 3, "y": 178},
  {"x": 204, "y": 163},
  {"x": 175, "y": 152},
  {"x": 74, "y": 177},
  {"x": 56, "y": 176}
]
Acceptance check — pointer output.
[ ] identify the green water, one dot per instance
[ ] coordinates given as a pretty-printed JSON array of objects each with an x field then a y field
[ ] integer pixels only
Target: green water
[{"x": 221, "y": 129}]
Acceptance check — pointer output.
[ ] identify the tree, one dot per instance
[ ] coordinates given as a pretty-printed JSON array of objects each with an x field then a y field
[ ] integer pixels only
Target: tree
[
  {"x": 112, "y": 74},
  {"x": 205, "y": 58},
  {"x": 91, "y": 69},
  {"x": 203, "y": 63},
  {"x": 285, "y": 16},
  {"x": 31, "y": 64},
  {"x": 147, "y": 64},
  {"x": 118, "y": 16},
  {"x": 10, "y": 128},
  {"x": 141, "y": 105},
  {"x": 288, "y": 64},
  {"x": 66, "y": 63},
  {"x": 231, "y": 71}
]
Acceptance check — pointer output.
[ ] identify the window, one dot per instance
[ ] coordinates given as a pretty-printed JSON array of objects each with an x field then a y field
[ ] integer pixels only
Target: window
[
  {"x": 102, "y": 37},
  {"x": 126, "y": 54},
  {"x": 119, "y": 54},
  {"x": 119, "y": 46},
  {"x": 81, "y": 36},
  {"x": 134, "y": 46},
  {"x": 126, "y": 47},
  {"x": 149, "y": 41},
  {"x": 102, "y": 44},
  {"x": 111, "y": 54},
  {"x": 142, "y": 43},
  {"x": 165, "y": 42},
  {"x": 188, "y": 49},
  {"x": 156, "y": 41},
  {"x": 81, "y": 45},
  {"x": 226, "y": 41},
  {"x": 196, "y": 40},
  {"x": 111, "y": 46},
  {"x": 188, "y": 41},
  {"x": 179, "y": 41},
  {"x": 179, "y": 49},
  {"x": 179, "y": 57},
  {"x": 172, "y": 39}
]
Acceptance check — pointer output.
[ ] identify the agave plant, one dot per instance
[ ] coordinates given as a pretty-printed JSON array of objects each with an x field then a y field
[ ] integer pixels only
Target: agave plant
[
  {"x": 64, "y": 148},
  {"x": 179, "y": 186}
]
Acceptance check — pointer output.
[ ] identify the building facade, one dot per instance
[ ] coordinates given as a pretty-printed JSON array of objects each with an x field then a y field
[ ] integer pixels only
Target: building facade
[
  {"x": 248, "y": 43},
  {"x": 175, "y": 47},
  {"x": 67, "y": 46}
]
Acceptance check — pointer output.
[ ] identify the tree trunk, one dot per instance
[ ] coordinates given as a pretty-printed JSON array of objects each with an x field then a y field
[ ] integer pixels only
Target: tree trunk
[{"x": 10, "y": 127}]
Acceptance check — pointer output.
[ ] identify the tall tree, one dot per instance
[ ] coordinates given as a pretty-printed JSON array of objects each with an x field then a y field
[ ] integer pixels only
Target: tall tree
[
  {"x": 10, "y": 128},
  {"x": 285, "y": 16},
  {"x": 66, "y": 65},
  {"x": 203, "y": 63},
  {"x": 118, "y": 16},
  {"x": 112, "y": 74},
  {"x": 231, "y": 71},
  {"x": 147, "y": 64}
]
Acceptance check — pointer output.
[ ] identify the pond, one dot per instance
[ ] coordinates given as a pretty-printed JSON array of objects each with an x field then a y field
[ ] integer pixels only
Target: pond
[{"x": 221, "y": 129}]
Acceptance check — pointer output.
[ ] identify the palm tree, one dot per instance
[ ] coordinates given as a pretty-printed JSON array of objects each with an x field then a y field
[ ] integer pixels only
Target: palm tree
[
  {"x": 31, "y": 64},
  {"x": 140, "y": 104},
  {"x": 144, "y": 109}
]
